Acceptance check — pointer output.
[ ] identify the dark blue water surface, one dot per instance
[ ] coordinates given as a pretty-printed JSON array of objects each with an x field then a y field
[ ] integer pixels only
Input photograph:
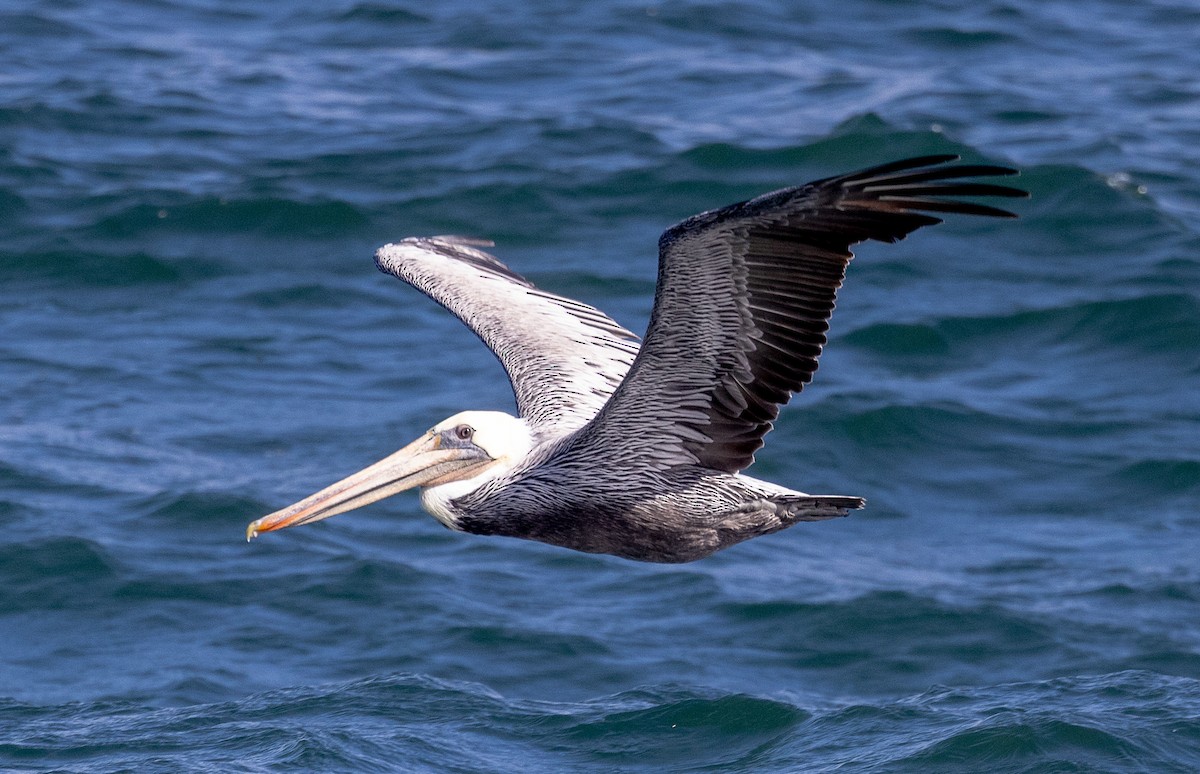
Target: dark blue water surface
[{"x": 193, "y": 334}]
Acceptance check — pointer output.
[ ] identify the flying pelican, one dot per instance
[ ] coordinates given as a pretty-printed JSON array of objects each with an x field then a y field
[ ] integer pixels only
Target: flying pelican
[{"x": 638, "y": 451}]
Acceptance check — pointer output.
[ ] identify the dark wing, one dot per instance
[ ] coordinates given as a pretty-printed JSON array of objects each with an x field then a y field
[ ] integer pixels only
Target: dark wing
[
  {"x": 564, "y": 358},
  {"x": 743, "y": 303}
]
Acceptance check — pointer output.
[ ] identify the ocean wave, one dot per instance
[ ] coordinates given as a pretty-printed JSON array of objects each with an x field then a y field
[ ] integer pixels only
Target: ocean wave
[
  {"x": 1079, "y": 722},
  {"x": 38, "y": 24},
  {"x": 855, "y": 634},
  {"x": 1164, "y": 323},
  {"x": 88, "y": 268},
  {"x": 263, "y": 215},
  {"x": 307, "y": 296},
  {"x": 1103, "y": 721},
  {"x": 378, "y": 13},
  {"x": 48, "y": 574},
  {"x": 957, "y": 38},
  {"x": 1157, "y": 476}
]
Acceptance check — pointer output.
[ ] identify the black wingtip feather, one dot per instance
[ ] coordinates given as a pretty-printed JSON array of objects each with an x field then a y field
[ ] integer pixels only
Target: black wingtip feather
[
  {"x": 933, "y": 188},
  {"x": 919, "y": 185},
  {"x": 880, "y": 170},
  {"x": 948, "y": 205},
  {"x": 790, "y": 249}
]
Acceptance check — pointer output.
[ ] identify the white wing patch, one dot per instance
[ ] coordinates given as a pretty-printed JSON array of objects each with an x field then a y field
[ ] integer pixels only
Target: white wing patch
[{"x": 564, "y": 358}]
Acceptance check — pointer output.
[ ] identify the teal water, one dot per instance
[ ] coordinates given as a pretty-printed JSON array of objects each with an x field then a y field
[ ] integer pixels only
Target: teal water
[{"x": 192, "y": 334}]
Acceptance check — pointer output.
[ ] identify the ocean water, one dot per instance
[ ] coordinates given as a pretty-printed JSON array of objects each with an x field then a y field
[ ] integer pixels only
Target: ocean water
[{"x": 192, "y": 334}]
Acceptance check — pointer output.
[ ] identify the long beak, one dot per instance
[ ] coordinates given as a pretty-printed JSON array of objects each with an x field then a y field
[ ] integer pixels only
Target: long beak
[{"x": 423, "y": 462}]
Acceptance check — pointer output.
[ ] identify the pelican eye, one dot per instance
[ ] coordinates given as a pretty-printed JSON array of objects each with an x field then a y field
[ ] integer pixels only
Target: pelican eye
[{"x": 464, "y": 432}]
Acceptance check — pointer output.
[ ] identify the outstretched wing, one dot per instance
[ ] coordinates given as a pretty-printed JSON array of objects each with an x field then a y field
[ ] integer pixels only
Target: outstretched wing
[
  {"x": 743, "y": 303},
  {"x": 564, "y": 358}
]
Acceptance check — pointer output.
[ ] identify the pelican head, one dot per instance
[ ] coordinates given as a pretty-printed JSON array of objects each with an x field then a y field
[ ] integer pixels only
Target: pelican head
[{"x": 455, "y": 457}]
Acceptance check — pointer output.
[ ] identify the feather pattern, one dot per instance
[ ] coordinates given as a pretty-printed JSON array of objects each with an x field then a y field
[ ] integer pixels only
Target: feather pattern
[
  {"x": 743, "y": 303},
  {"x": 563, "y": 358}
]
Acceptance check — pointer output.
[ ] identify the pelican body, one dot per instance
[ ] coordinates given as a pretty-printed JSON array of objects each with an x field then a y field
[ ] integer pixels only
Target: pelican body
[{"x": 637, "y": 451}]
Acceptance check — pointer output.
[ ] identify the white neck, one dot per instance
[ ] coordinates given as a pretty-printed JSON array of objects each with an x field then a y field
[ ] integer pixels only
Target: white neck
[{"x": 505, "y": 438}]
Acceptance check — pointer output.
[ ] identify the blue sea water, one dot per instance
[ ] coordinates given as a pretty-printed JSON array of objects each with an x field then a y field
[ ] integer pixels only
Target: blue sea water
[{"x": 192, "y": 334}]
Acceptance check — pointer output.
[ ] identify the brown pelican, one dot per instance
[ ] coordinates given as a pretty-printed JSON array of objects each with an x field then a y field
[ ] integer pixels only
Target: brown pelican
[{"x": 638, "y": 451}]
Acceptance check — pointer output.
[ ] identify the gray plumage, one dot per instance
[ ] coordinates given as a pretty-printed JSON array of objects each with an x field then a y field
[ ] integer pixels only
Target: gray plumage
[{"x": 638, "y": 451}]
